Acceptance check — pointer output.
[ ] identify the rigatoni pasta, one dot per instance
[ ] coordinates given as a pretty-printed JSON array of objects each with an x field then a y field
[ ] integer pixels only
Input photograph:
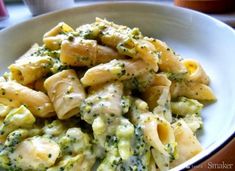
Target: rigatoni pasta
[
  {"x": 114, "y": 70},
  {"x": 66, "y": 93},
  {"x": 22, "y": 70},
  {"x": 192, "y": 90},
  {"x": 195, "y": 71},
  {"x": 81, "y": 52},
  {"x": 101, "y": 97},
  {"x": 54, "y": 37},
  {"x": 188, "y": 145},
  {"x": 17, "y": 94},
  {"x": 169, "y": 62}
]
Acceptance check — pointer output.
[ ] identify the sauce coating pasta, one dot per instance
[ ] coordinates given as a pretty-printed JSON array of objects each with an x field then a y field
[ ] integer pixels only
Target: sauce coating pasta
[{"x": 101, "y": 97}]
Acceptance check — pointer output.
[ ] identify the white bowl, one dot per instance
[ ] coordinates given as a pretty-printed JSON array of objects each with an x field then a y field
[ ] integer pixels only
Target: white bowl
[
  {"x": 37, "y": 7},
  {"x": 189, "y": 33}
]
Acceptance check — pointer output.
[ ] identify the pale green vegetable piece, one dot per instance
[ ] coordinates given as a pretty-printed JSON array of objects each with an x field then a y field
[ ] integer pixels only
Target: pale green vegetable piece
[
  {"x": 186, "y": 106},
  {"x": 55, "y": 128},
  {"x": 80, "y": 162},
  {"x": 98, "y": 126},
  {"x": 194, "y": 122},
  {"x": 74, "y": 142},
  {"x": 112, "y": 158},
  {"x": 125, "y": 133},
  {"x": 17, "y": 118},
  {"x": 13, "y": 139},
  {"x": 103, "y": 100}
]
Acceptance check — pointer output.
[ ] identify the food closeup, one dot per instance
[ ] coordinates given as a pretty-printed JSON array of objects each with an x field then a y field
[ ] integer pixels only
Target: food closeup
[{"x": 101, "y": 97}]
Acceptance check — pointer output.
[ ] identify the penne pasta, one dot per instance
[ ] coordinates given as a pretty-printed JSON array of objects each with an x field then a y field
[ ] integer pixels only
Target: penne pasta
[
  {"x": 58, "y": 29},
  {"x": 188, "y": 145},
  {"x": 22, "y": 70},
  {"x": 81, "y": 52},
  {"x": 192, "y": 90},
  {"x": 113, "y": 70},
  {"x": 112, "y": 34},
  {"x": 66, "y": 93},
  {"x": 37, "y": 102},
  {"x": 127, "y": 41},
  {"x": 160, "y": 80},
  {"x": 152, "y": 94},
  {"x": 54, "y": 37},
  {"x": 169, "y": 62},
  {"x": 195, "y": 71},
  {"x": 158, "y": 132}
]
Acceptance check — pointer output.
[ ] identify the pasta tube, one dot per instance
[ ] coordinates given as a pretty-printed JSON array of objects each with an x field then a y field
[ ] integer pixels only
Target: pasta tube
[
  {"x": 82, "y": 52},
  {"x": 89, "y": 31},
  {"x": 37, "y": 102},
  {"x": 140, "y": 82},
  {"x": 128, "y": 42},
  {"x": 54, "y": 42},
  {"x": 112, "y": 34},
  {"x": 58, "y": 29},
  {"x": 161, "y": 160},
  {"x": 169, "y": 62},
  {"x": 188, "y": 145},
  {"x": 192, "y": 90},
  {"x": 22, "y": 70},
  {"x": 158, "y": 96},
  {"x": 152, "y": 94},
  {"x": 54, "y": 37},
  {"x": 160, "y": 80},
  {"x": 195, "y": 71},
  {"x": 158, "y": 132},
  {"x": 114, "y": 70},
  {"x": 9, "y": 102},
  {"x": 140, "y": 49},
  {"x": 163, "y": 107},
  {"x": 152, "y": 165},
  {"x": 66, "y": 93}
]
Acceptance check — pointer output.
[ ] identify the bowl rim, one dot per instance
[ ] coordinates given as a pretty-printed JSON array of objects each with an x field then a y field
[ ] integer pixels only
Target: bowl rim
[
  {"x": 217, "y": 145},
  {"x": 118, "y": 2}
]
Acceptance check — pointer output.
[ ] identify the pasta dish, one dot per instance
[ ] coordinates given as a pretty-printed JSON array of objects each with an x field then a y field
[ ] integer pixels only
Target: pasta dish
[{"x": 101, "y": 97}]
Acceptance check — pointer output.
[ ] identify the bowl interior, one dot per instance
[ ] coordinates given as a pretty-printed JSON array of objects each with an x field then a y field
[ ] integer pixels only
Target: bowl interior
[{"x": 191, "y": 34}]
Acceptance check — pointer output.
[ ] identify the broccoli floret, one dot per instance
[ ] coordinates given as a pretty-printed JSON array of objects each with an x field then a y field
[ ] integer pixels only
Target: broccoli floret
[
  {"x": 184, "y": 106},
  {"x": 17, "y": 118}
]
